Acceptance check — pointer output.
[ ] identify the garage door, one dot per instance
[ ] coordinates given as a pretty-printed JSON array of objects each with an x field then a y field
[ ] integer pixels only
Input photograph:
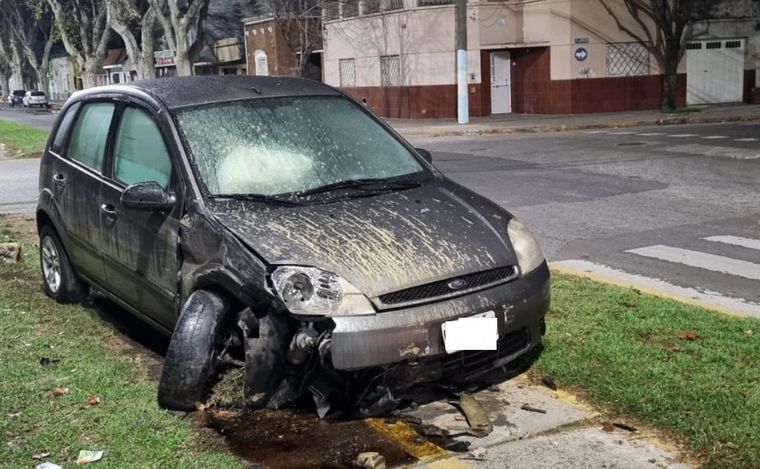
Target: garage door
[{"x": 715, "y": 71}]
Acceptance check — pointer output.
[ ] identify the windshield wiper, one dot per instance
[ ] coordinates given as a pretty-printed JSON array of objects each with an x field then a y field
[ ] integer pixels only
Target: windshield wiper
[
  {"x": 269, "y": 199},
  {"x": 372, "y": 185}
]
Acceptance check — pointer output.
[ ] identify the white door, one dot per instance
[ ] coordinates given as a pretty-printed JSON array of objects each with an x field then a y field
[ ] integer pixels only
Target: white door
[
  {"x": 501, "y": 90},
  {"x": 715, "y": 71}
]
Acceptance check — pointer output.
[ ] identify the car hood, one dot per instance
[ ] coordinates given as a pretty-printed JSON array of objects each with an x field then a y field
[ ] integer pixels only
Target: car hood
[{"x": 383, "y": 243}]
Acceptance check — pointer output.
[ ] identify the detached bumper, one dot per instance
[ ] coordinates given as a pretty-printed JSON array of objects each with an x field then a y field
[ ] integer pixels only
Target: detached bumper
[{"x": 414, "y": 333}]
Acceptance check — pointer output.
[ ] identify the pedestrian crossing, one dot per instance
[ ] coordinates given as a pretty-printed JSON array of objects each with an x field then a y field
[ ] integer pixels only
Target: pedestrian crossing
[
  {"x": 734, "y": 259},
  {"x": 671, "y": 135}
]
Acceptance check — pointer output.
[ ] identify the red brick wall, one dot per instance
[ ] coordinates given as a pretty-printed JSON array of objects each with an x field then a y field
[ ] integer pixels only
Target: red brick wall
[{"x": 418, "y": 102}]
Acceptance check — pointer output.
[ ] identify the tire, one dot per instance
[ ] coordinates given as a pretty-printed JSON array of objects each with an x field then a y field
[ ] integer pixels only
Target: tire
[
  {"x": 191, "y": 362},
  {"x": 59, "y": 279}
]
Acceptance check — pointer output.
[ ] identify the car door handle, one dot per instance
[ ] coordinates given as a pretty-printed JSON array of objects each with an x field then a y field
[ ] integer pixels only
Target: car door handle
[
  {"x": 59, "y": 179},
  {"x": 109, "y": 210}
]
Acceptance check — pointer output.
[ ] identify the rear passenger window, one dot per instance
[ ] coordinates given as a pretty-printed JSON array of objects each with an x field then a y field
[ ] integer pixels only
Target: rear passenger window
[
  {"x": 90, "y": 134},
  {"x": 63, "y": 129},
  {"x": 140, "y": 154}
]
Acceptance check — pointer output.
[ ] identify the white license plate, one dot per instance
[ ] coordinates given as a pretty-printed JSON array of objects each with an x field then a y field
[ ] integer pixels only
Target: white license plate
[{"x": 477, "y": 332}]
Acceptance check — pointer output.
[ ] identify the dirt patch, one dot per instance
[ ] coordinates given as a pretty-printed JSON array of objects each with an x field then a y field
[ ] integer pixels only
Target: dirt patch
[
  {"x": 24, "y": 227},
  {"x": 290, "y": 438}
]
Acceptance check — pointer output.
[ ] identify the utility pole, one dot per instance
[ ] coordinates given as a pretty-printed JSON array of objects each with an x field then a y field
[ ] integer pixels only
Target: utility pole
[{"x": 463, "y": 101}]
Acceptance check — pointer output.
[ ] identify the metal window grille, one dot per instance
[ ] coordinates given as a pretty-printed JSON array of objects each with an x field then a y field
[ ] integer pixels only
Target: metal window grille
[
  {"x": 733, "y": 44},
  {"x": 347, "y": 72},
  {"x": 694, "y": 46},
  {"x": 331, "y": 10},
  {"x": 714, "y": 45},
  {"x": 427, "y": 3},
  {"x": 394, "y": 5},
  {"x": 371, "y": 6},
  {"x": 627, "y": 59},
  {"x": 349, "y": 9},
  {"x": 390, "y": 70}
]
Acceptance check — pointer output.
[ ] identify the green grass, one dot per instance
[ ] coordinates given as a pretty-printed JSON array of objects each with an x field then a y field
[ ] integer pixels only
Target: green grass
[
  {"x": 127, "y": 424},
  {"x": 630, "y": 353},
  {"x": 23, "y": 139}
]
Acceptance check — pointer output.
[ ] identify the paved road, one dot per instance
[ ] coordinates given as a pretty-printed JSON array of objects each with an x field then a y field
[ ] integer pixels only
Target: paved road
[
  {"x": 36, "y": 117},
  {"x": 674, "y": 206}
]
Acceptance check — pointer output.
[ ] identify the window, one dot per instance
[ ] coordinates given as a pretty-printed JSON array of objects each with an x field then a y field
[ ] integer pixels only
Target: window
[
  {"x": 714, "y": 45},
  {"x": 88, "y": 139},
  {"x": 733, "y": 44},
  {"x": 349, "y": 9},
  {"x": 427, "y": 3},
  {"x": 63, "y": 129},
  {"x": 347, "y": 72},
  {"x": 140, "y": 154},
  {"x": 371, "y": 6},
  {"x": 694, "y": 46},
  {"x": 627, "y": 59},
  {"x": 390, "y": 70}
]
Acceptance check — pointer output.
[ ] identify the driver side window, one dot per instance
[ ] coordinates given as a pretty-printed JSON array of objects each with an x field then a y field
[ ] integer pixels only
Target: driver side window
[{"x": 140, "y": 154}]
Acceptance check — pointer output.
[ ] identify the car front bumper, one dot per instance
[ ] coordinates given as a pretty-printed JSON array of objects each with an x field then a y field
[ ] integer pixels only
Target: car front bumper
[{"x": 414, "y": 333}]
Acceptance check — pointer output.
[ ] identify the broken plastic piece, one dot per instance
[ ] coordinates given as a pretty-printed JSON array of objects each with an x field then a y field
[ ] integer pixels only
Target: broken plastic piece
[
  {"x": 371, "y": 460},
  {"x": 625, "y": 426},
  {"x": 47, "y": 465},
  {"x": 530, "y": 408},
  {"x": 477, "y": 418},
  {"x": 86, "y": 456}
]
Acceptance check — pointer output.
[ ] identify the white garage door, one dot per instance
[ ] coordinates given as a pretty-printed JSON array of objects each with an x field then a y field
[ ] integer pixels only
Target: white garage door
[{"x": 715, "y": 71}]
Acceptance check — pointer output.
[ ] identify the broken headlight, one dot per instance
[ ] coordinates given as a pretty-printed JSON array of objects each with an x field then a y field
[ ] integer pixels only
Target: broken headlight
[
  {"x": 529, "y": 254},
  {"x": 312, "y": 291}
]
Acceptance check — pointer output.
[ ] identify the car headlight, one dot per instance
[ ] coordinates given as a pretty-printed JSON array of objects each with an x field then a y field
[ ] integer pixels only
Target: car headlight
[
  {"x": 312, "y": 291},
  {"x": 529, "y": 254}
]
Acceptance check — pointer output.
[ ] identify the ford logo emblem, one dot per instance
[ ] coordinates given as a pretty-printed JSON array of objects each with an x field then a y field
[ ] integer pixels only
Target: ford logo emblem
[{"x": 457, "y": 284}]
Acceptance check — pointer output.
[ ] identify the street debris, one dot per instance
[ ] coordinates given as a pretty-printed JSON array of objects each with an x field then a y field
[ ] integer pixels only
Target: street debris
[
  {"x": 688, "y": 335},
  {"x": 477, "y": 418},
  {"x": 608, "y": 427},
  {"x": 10, "y": 253},
  {"x": 625, "y": 426},
  {"x": 549, "y": 383},
  {"x": 477, "y": 454},
  {"x": 530, "y": 408},
  {"x": 46, "y": 361},
  {"x": 87, "y": 456},
  {"x": 371, "y": 460},
  {"x": 13, "y": 415},
  {"x": 42, "y": 455},
  {"x": 47, "y": 465},
  {"x": 749, "y": 332},
  {"x": 93, "y": 400},
  {"x": 58, "y": 392},
  {"x": 457, "y": 446}
]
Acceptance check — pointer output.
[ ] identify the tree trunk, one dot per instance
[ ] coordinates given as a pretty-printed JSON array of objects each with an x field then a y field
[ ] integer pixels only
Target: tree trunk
[
  {"x": 670, "y": 79},
  {"x": 182, "y": 58},
  {"x": 89, "y": 73},
  {"x": 17, "y": 74},
  {"x": 4, "y": 86}
]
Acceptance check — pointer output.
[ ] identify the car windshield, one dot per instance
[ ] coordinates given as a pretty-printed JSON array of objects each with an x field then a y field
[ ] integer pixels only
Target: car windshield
[
  {"x": 276, "y": 146},
  {"x": 18, "y": 93},
  {"x": 38, "y": 93}
]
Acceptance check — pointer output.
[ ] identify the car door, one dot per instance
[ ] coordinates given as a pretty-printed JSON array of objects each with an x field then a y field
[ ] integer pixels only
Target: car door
[
  {"x": 140, "y": 247},
  {"x": 76, "y": 177}
]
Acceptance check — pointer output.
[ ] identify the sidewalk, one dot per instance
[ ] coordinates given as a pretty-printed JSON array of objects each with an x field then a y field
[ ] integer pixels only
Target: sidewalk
[{"x": 536, "y": 123}]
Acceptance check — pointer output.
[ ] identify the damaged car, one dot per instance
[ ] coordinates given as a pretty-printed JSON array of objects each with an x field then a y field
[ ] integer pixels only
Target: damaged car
[{"x": 277, "y": 225}]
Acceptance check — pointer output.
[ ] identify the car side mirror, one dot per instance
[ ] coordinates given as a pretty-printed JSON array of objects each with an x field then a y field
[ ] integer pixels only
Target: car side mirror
[
  {"x": 425, "y": 154},
  {"x": 147, "y": 196}
]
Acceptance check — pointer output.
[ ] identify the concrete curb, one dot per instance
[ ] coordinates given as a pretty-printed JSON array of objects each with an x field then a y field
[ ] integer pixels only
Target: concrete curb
[{"x": 433, "y": 131}]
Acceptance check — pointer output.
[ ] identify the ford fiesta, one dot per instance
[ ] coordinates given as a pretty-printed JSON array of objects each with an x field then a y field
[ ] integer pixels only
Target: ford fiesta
[{"x": 275, "y": 224}]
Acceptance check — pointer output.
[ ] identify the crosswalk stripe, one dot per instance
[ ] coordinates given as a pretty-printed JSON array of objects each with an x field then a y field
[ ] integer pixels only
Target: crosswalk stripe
[
  {"x": 715, "y": 137},
  {"x": 745, "y": 140},
  {"x": 701, "y": 260},
  {"x": 736, "y": 241},
  {"x": 622, "y": 133},
  {"x": 701, "y": 297},
  {"x": 711, "y": 150},
  {"x": 651, "y": 134},
  {"x": 682, "y": 135},
  {"x": 596, "y": 132}
]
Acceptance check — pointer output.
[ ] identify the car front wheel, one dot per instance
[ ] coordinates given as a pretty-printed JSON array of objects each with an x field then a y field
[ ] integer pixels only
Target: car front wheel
[{"x": 58, "y": 277}]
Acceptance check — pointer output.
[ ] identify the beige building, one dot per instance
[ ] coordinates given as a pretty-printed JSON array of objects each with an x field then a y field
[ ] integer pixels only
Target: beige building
[{"x": 530, "y": 56}]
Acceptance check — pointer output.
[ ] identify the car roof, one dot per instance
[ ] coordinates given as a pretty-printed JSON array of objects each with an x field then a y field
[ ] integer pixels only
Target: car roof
[{"x": 179, "y": 92}]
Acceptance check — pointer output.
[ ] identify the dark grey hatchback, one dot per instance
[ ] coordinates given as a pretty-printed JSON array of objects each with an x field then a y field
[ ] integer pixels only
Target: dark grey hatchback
[{"x": 275, "y": 224}]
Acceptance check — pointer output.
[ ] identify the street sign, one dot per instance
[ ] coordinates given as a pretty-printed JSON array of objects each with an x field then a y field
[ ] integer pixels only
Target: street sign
[
  {"x": 581, "y": 54},
  {"x": 581, "y": 40}
]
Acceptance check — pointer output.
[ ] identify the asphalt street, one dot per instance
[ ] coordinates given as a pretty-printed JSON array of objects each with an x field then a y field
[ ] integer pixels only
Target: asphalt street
[{"x": 678, "y": 204}]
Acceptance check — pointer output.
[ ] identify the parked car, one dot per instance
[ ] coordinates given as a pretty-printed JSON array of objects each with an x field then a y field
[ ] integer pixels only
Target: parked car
[
  {"x": 278, "y": 225},
  {"x": 35, "y": 98},
  {"x": 16, "y": 98}
]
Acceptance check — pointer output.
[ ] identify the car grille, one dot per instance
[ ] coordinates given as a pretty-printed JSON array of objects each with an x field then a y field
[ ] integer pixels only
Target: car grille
[
  {"x": 442, "y": 288},
  {"x": 464, "y": 365}
]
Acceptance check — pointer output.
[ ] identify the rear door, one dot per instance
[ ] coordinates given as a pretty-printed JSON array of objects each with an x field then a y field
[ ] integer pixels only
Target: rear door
[
  {"x": 140, "y": 247},
  {"x": 76, "y": 177}
]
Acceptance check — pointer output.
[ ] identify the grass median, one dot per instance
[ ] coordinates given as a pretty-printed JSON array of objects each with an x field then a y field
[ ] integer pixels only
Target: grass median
[
  {"x": 689, "y": 371},
  {"x": 22, "y": 140},
  {"x": 68, "y": 383}
]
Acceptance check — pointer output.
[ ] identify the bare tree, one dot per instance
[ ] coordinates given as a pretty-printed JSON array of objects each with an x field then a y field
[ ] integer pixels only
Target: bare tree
[
  {"x": 134, "y": 22},
  {"x": 84, "y": 30},
  {"x": 666, "y": 26},
  {"x": 33, "y": 27},
  {"x": 9, "y": 46},
  {"x": 178, "y": 25},
  {"x": 300, "y": 23}
]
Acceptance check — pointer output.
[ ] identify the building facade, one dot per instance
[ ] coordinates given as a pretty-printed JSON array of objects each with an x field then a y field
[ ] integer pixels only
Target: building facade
[
  {"x": 532, "y": 56},
  {"x": 269, "y": 52}
]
